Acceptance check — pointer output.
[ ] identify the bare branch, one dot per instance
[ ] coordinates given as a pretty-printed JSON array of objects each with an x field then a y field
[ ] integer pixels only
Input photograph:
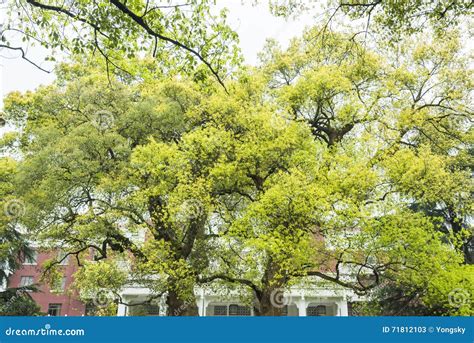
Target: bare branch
[{"x": 23, "y": 55}]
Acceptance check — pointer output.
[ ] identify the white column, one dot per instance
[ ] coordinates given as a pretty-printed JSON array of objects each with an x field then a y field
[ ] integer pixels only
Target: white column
[
  {"x": 121, "y": 310},
  {"x": 163, "y": 306},
  {"x": 302, "y": 304},
  {"x": 202, "y": 303},
  {"x": 342, "y": 309}
]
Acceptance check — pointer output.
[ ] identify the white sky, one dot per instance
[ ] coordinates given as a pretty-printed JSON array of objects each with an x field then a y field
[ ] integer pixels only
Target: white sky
[{"x": 254, "y": 24}]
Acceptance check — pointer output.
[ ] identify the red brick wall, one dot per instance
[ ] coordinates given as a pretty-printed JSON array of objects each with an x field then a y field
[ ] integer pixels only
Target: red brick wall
[{"x": 70, "y": 305}]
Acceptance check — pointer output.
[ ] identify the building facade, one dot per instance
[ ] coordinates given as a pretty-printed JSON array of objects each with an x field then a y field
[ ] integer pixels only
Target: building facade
[
  {"x": 314, "y": 300},
  {"x": 58, "y": 301},
  {"x": 297, "y": 301}
]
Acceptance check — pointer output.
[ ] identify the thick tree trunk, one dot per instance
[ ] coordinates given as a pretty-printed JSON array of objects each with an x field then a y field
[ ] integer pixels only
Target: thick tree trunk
[
  {"x": 270, "y": 300},
  {"x": 178, "y": 307},
  {"x": 269, "y": 303}
]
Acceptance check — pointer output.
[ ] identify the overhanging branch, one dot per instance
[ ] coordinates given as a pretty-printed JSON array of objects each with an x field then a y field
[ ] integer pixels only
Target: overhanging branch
[
  {"x": 228, "y": 278},
  {"x": 23, "y": 56},
  {"x": 139, "y": 20}
]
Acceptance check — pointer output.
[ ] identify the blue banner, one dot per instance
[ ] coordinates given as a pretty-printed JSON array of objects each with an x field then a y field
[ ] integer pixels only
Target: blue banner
[{"x": 237, "y": 329}]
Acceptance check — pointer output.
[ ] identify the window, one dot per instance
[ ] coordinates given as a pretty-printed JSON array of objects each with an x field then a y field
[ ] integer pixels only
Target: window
[
  {"x": 152, "y": 309},
  {"x": 60, "y": 286},
  {"x": 31, "y": 258},
  {"x": 54, "y": 310},
  {"x": 63, "y": 258},
  {"x": 236, "y": 310},
  {"x": 319, "y": 310},
  {"x": 26, "y": 281},
  {"x": 220, "y": 310}
]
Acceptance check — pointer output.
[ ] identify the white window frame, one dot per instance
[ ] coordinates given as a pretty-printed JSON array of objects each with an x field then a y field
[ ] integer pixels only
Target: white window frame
[{"x": 27, "y": 277}]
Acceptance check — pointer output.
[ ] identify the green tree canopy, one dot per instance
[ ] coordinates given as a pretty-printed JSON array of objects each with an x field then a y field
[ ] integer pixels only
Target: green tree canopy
[
  {"x": 235, "y": 189},
  {"x": 181, "y": 36},
  {"x": 394, "y": 20},
  {"x": 331, "y": 161}
]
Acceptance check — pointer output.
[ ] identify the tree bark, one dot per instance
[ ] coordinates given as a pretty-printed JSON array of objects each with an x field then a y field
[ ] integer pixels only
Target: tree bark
[
  {"x": 267, "y": 305},
  {"x": 178, "y": 307},
  {"x": 270, "y": 301}
]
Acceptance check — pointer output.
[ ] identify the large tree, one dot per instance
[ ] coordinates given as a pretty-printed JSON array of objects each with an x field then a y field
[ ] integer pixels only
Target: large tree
[
  {"x": 94, "y": 171},
  {"x": 314, "y": 165},
  {"x": 331, "y": 159},
  {"x": 410, "y": 108},
  {"x": 415, "y": 96}
]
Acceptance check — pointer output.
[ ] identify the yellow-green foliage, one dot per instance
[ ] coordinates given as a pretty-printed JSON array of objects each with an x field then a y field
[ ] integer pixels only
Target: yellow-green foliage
[{"x": 328, "y": 154}]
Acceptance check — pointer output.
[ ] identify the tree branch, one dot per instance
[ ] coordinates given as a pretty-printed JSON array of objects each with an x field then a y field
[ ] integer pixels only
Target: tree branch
[
  {"x": 141, "y": 22},
  {"x": 23, "y": 55},
  {"x": 228, "y": 278}
]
